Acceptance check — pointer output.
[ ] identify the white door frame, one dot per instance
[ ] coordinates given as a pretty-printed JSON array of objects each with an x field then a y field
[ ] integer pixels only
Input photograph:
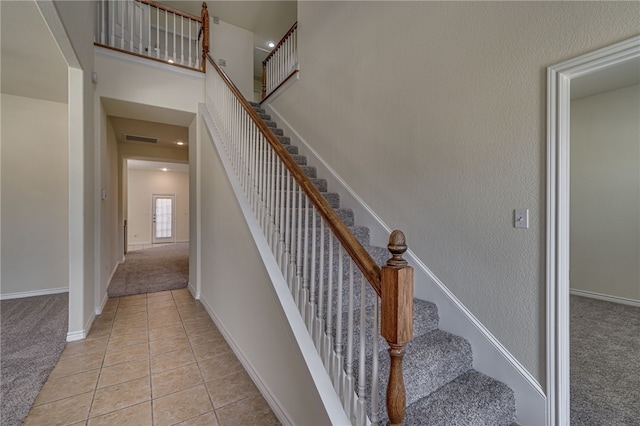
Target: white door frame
[
  {"x": 558, "y": 114},
  {"x": 154, "y": 239}
]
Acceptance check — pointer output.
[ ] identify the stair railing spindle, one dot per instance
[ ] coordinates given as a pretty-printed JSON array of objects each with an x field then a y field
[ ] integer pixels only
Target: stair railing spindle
[
  {"x": 328, "y": 341},
  {"x": 347, "y": 385},
  {"x": 337, "y": 365}
]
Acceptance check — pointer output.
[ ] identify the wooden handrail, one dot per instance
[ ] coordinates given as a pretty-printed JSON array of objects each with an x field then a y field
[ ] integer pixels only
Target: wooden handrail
[
  {"x": 171, "y": 9},
  {"x": 282, "y": 40},
  {"x": 393, "y": 283},
  {"x": 360, "y": 256}
]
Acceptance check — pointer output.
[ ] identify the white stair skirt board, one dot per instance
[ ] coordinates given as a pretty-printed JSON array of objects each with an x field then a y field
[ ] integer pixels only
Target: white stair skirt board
[
  {"x": 46, "y": 292},
  {"x": 489, "y": 355},
  {"x": 605, "y": 297},
  {"x": 315, "y": 366}
]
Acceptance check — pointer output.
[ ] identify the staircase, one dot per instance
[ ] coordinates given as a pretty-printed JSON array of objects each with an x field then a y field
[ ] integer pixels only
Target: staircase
[{"x": 441, "y": 385}]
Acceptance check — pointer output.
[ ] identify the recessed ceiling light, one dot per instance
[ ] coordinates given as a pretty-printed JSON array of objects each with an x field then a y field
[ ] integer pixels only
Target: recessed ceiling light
[
  {"x": 170, "y": 61},
  {"x": 164, "y": 169},
  {"x": 180, "y": 143},
  {"x": 271, "y": 44}
]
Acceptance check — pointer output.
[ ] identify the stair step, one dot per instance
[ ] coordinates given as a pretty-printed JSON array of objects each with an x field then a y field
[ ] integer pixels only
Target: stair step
[
  {"x": 425, "y": 320},
  {"x": 284, "y": 140},
  {"x": 291, "y": 149},
  {"x": 320, "y": 184},
  {"x": 294, "y": 200},
  {"x": 299, "y": 159},
  {"x": 430, "y": 361},
  {"x": 254, "y": 104},
  {"x": 345, "y": 214},
  {"x": 471, "y": 399},
  {"x": 277, "y": 132},
  {"x": 264, "y": 116},
  {"x": 271, "y": 124},
  {"x": 309, "y": 171}
]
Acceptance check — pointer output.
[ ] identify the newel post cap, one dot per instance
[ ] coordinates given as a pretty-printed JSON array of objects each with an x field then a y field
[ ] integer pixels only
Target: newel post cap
[{"x": 397, "y": 246}]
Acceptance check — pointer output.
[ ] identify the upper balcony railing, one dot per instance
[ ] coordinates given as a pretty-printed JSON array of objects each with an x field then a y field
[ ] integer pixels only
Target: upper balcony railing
[
  {"x": 281, "y": 64},
  {"x": 155, "y": 31}
]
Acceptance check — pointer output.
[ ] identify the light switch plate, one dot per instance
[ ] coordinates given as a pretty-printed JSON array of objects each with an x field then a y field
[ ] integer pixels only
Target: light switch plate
[{"x": 521, "y": 218}]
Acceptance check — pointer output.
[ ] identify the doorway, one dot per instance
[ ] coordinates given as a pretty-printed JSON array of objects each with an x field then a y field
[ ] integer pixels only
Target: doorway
[
  {"x": 163, "y": 219},
  {"x": 559, "y": 85}
]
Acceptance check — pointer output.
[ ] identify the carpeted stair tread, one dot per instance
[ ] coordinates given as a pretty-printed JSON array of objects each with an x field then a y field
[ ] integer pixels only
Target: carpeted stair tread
[
  {"x": 430, "y": 361},
  {"x": 293, "y": 198},
  {"x": 425, "y": 320},
  {"x": 471, "y": 399},
  {"x": 264, "y": 116},
  {"x": 284, "y": 140},
  {"x": 276, "y": 131},
  {"x": 301, "y": 160},
  {"x": 309, "y": 171},
  {"x": 271, "y": 124}
]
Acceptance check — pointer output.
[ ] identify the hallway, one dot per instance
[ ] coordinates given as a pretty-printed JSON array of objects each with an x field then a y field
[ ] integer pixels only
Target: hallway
[{"x": 151, "y": 359}]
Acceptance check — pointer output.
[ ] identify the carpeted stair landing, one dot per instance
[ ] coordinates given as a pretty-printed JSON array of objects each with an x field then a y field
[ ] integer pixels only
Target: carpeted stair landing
[{"x": 442, "y": 387}]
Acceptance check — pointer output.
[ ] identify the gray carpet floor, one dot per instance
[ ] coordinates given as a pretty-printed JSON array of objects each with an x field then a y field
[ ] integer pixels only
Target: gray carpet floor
[
  {"x": 605, "y": 363},
  {"x": 33, "y": 332},
  {"x": 150, "y": 270}
]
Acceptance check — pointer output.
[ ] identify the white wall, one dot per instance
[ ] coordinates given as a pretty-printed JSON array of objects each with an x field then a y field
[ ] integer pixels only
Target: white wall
[
  {"x": 142, "y": 185},
  {"x": 111, "y": 245},
  {"x": 72, "y": 25},
  {"x": 235, "y": 46},
  {"x": 605, "y": 193},
  {"x": 237, "y": 289},
  {"x": 146, "y": 82},
  {"x": 434, "y": 113},
  {"x": 35, "y": 200}
]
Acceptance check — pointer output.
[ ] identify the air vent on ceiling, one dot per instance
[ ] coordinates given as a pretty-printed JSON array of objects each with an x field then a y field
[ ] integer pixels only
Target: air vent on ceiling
[{"x": 134, "y": 138}]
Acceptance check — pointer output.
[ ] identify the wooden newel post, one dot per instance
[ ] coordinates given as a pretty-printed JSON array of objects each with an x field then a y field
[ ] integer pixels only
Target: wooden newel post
[
  {"x": 204, "y": 14},
  {"x": 397, "y": 321},
  {"x": 264, "y": 80}
]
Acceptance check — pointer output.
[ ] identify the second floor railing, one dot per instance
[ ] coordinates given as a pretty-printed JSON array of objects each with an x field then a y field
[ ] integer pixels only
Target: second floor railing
[
  {"x": 346, "y": 300},
  {"x": 155, "y": 31},
  {"x": 281, "y": 63}
]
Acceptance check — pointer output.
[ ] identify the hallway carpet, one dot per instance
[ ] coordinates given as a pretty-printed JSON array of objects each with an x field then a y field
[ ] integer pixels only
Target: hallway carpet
[
  {"x": 605, "y": 363},
  {"x": 32, "y": 336},
  {"x": 150, "y": 270},
  {"x": 151, "y": 360}
]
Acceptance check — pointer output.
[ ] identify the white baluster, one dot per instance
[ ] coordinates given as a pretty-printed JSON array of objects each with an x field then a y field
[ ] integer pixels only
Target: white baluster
[
  {"x": 311, "y": 311},
  {"x": 157, "y": 33},
  {"x": 337, "y": 365},
  {"x": 149, "y": 46},
  {"x": 140, "y": 32},
  {"x": 319, "y": 327},
  {"x": 182, "y": 18},
  {"x": 112, "y": 22},
  {"x": 347, "y": 386},
  {"x": 174, "y": 37},
  {"x": 131, "y": 28},
  {"x": 190, "y": 36},
  {"x": 122, "y": 24},
  {"x": 328, "y": 341},
  {"x": 374, "y": 364},
  {"x": 166, "y": 35},
  {"x": 305, "y": 262},
  {"x": 361, "y": 404}
]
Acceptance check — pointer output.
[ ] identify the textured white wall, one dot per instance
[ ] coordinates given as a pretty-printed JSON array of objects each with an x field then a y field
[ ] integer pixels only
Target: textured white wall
[
  {"x": 235, "y": 46},
  {"x": 434, "y": 113},
  {"x": 142, "y": 184},
  {"x": 237, "y": 288},
  {"x": 605, "y": 193},
  {"x": 35, "y": 200}
]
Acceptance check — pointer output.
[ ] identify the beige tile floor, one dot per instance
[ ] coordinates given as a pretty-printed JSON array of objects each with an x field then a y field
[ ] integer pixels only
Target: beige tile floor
[{"x": 150, "y": 359}]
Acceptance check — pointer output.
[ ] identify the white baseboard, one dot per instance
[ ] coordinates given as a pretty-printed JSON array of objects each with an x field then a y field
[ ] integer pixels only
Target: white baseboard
[
  {"x": 277, "y": 408},
  {"x": 489, "y": 355},
  {"x": 81, "y": 334},
  {"x": 193, "y": 291},
  {"x": 605, "y": 297},
  {"x": 32, "y": 293},
  {"x": 103, "y": 302}
]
